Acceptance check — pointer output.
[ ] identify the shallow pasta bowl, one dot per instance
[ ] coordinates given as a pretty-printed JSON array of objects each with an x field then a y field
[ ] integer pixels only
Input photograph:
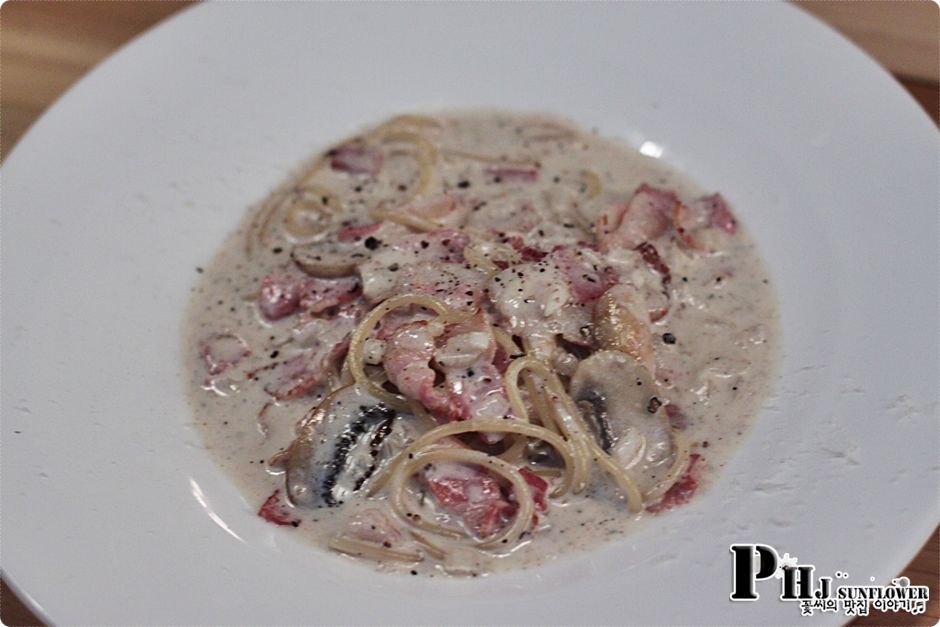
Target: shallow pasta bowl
[{"x": 133, "y": 179}]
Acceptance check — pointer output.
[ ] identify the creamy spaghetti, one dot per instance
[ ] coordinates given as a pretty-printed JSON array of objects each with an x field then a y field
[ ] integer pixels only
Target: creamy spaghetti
[{"x": 450, "y": 341}]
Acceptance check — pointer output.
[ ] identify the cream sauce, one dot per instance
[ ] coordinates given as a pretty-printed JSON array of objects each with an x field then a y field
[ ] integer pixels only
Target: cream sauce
[{"x": 713, "y": 353}]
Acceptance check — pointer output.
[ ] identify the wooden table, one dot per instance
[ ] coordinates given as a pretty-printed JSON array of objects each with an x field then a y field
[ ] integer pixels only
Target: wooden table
[{"x": 47, "y": 46}]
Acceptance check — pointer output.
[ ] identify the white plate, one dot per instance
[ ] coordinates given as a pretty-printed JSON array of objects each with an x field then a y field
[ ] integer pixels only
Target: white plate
[{"x": 113, "y": 513}]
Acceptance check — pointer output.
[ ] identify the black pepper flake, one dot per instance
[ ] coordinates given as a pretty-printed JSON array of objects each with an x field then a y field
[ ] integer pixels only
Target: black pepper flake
[
  {"x": 424, "y": 244},
  {"x": 402, "y": 188},
  {"x": 277, "y": 250},
  {"x": 463, "y": 184},
  {"x": 568, "y": 225},
  {"x": 274, "y": 354},
  {"x": 414, "y": 572},
  {"x": 199, "y": 270},
  {"x": 371, "y": 243},
  {"x": 669, "y": 338},
  {"x": 295, "y": 523},
  {"x": 654, "y": 405}
]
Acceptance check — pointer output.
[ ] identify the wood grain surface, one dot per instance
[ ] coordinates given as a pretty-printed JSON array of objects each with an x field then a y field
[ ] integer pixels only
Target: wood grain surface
[{"x": 46, "y": 46}]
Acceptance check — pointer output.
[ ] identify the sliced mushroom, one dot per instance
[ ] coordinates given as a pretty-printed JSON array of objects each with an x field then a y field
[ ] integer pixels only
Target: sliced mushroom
[
  {"x": 329, "y": 258},
  {"x": 620, "y": 324},
  {"x": 338, "y": 447},
  {"x": 621, "y": 403},
  {"x": 339, "y": 253},
  {"x": 309, "y": 212}
]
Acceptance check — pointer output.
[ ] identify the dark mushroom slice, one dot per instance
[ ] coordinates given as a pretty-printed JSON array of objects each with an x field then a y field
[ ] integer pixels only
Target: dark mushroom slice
[
  {"x": 338, "y": 447},
  {"x": 621, "y": 402}
]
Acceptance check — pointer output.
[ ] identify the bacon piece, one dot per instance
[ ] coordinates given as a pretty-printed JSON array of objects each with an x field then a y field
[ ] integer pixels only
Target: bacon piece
[
  {"x": 407, "y": 357},
  {"x": 372, "y": 526},
  {"x": 677, "y": 417},
  {"x": 396, "y": 319},
  {"x": 654, "y": 261},
  {"x": 276, "y": 510},
  {"x": 279, "y": 296},
  {"x": 720, "y": 214},
  {"x": 408, "y": 352},
  {"x": 686, "y": 222},
  {"x": 356, "y": 233},
  {"x": 645, "y": 217},
  {"x": 293, "y": 378},
  {"x": 527, "y": 253},
  {"x": 682, "y": 490},
  {"x": 356, "y": 159},
  {"x": 320, "y": 343},
  {"x": 476, "y": 387},
  {"x": 513, "y": 173},
  {"x": 221, "y": 351},
  {"x": 319, "y": 294},
  {"x": 283, "y": 294},
  {"x": 479, "y": 392},
  {"x": 539, "y": 488},
  {"x": 501, "y": 359},
  {"x": 585, "y": 279},
  {"x": 473, "y": 386},
  {"x": 702, "y": 213},
  {"x": 470, "y": 493}
]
